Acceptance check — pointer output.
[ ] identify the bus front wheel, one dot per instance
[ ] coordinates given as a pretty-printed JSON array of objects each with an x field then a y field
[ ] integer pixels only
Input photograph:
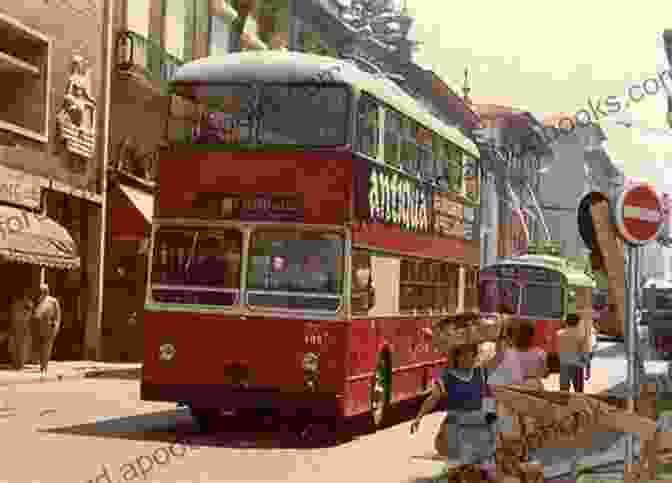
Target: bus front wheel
[{"x": 380, "y": 392}]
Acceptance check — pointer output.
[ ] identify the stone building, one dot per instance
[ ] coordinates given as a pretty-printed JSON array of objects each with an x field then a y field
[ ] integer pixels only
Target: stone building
[
  {"x": 514, "y": 153},
  {"x": 50, "y": 159},
  {"x": 580, "y": 165},
  {"x": 152, "y": 39}
]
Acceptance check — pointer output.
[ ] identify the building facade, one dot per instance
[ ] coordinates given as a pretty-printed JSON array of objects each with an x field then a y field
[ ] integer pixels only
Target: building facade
[
  {"x": 513, "y": 152},
  {"x": 152, "y": 39},
  {"x": 50, "y": 159},
  {"x": 581, "y": 164}
]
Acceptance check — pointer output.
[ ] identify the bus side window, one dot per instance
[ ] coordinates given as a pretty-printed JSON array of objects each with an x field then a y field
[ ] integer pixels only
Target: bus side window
[
  {"x": 436, "y": 281},
  {"x": 418, "y": 287},
  {"x": 363, "y": 288},
  {"x": 447, "y": 289},
  {"x": 367, "y": 126},
  {"x": 393, "y": 142},
  {"x": 471, "y": 289}
]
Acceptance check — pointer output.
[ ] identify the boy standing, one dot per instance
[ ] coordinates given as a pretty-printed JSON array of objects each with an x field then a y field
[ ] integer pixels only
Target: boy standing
[{"x": 574, "y": 350}]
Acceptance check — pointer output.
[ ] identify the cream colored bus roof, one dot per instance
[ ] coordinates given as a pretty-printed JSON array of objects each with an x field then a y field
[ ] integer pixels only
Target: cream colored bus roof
[{"x": 288, "y": 67}]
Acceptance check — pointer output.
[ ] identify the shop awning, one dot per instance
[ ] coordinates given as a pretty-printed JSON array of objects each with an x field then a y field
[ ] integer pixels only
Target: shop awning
[
  {"x": 27, "y": 237},
  {"x": 131, "y": 213},
  {"x": 144, "y": 202}
]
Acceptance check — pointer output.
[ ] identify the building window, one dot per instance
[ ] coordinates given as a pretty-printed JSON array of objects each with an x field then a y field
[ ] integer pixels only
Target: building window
[
  {"x": 137, "y": 16},
  {"x": 220, "y": 36},
  {"x": 25, "y": 67},
  {"x": 178, "y": 28},
  {"x": 367, "y": 126}
]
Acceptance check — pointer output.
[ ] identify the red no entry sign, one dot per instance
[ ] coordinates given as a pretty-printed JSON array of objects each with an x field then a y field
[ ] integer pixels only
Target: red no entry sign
[{"x": 639, "y": 214}]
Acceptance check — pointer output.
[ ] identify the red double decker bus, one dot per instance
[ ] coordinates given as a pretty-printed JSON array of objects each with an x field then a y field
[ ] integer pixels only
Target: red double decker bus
[{"x": 308, "y": 228}]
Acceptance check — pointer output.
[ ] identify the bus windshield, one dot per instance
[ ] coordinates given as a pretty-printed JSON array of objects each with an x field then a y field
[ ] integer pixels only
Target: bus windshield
[
  {"x": 295, "y": 270},
  {"x": 542, "y": 301},
  {"x": 196, "y": 266},
  {"x": 306, "y": 114},
  {"x": 533, "y": 292},
  {"x": 494, "y": 292}
]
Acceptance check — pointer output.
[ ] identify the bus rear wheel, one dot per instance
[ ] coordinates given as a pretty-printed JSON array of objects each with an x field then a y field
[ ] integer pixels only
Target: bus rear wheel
[{"x": 380, "y": 393}]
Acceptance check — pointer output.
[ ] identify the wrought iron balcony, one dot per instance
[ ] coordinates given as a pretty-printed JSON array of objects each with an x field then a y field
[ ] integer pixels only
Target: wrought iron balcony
[{"x": 138, "y": 56}]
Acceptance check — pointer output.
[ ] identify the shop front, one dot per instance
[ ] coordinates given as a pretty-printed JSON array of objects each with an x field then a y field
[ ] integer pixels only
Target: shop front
[
  {"x": 129, "y": 229},
  {"x": 33, "y": 248}
]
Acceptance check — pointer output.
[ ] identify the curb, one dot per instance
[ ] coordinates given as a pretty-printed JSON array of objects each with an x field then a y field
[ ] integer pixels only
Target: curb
[
  {"x": 111, "y": 373},
  {"x": 114, "y": 373}
]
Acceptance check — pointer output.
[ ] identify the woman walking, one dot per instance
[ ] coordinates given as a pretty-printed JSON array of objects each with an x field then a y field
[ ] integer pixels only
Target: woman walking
[{"x": 517, "y": 361}]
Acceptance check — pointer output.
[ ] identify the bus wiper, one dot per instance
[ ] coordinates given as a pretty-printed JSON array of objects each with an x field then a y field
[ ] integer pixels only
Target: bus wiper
[{"x": 192, "y": 254}]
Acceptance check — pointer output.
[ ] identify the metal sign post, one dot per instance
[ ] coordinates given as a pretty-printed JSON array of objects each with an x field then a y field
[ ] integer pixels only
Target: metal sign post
[
  {"x": 638, "y": 214},
  {"x": 631, "y": 349}
]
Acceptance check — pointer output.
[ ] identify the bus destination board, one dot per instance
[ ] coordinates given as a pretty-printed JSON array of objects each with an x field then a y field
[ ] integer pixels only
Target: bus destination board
[
  {"x": 527, "y": 273},
  {"x": 248, "y": 207}
]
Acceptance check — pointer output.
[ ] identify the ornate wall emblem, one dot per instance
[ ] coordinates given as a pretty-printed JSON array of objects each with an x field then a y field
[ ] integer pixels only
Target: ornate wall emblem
[{"x": 77, "y": 117}]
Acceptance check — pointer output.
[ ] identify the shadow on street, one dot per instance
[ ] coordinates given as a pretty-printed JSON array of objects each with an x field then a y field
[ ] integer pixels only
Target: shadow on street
[{"x": 231, "y": 431}]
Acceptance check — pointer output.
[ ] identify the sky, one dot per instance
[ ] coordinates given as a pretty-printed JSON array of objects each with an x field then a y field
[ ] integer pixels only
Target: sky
[{"x": 551, "y": 57}]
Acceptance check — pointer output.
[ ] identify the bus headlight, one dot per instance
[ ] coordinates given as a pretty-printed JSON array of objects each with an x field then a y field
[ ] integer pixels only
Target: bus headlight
[
  {"x": 167, "y": 352},
  {"x": 311, "y": 370}
]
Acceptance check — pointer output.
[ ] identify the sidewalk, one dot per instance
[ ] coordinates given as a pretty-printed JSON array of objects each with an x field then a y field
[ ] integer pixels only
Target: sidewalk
[
  {"x": 598, "y": 383},
  {"x": 65, "y": 370}
]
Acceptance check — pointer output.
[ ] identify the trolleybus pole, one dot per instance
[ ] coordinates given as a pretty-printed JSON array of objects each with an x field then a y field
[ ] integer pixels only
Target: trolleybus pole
[{"x": 630, "y": 341}]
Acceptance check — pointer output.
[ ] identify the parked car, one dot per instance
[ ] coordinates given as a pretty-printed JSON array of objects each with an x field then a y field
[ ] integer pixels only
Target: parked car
[{"x": 657, "y": 315}]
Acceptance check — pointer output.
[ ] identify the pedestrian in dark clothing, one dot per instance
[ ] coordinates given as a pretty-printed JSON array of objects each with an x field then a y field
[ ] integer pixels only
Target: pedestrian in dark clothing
[{"x": 21, "y": 313}]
